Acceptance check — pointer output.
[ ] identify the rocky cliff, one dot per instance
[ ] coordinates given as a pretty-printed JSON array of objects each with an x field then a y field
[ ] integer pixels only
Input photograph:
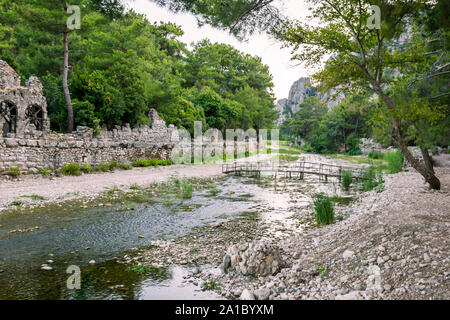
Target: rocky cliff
[{"x": 299, "y": 92}]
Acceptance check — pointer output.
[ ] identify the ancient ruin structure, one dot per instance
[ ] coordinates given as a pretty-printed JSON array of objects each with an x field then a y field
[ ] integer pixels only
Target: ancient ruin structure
[
  {"x": 21, "y": 108},
  {"x": 27, "y": 143}
]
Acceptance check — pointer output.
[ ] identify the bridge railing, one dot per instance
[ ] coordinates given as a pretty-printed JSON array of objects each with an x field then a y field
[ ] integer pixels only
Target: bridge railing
[{"x": 292, "y": 167}]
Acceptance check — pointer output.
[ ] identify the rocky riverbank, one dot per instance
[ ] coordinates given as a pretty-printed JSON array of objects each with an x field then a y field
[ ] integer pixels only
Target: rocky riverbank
[{"x": 391, "y": 245}]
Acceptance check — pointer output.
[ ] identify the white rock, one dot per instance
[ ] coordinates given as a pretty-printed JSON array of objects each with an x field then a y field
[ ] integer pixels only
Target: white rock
[
  {"x": 347, "y": 254},
  {"x": 46, "y": 267},
  {"x": 92, "y": 262},
  {"x": 353, "y": 295},
  {"x": 262, "y": 294},
  {"x": 247, "y": 295}
]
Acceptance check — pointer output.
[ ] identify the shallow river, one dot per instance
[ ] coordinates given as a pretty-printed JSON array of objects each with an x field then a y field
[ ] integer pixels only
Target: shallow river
[{"x": 101, "y": 234}]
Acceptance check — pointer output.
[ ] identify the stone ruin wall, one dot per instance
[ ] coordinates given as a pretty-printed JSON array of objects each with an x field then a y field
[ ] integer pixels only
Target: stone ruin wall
[
  {"x": 26, "y": 141},
  {"x": 34, "y": 150}
]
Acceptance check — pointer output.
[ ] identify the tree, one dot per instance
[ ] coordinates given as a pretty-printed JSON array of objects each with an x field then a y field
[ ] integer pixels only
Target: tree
[
  {"x": 360, "y": 56},
  {"x": 51, "y": 16}
]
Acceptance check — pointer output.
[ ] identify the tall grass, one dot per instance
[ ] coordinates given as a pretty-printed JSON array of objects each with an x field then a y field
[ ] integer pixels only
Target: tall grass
[
  {"x": 186, "y": 189},
  {"x": 372, "y": 179},
  {"x": 375, "y": 154},
  {"x": 324, "y": 210},
  {"x": 395, "y": 161},
  {"x": 347, "y": 179}
]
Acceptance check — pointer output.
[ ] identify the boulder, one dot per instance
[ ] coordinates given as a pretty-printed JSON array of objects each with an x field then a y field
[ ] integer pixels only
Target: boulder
[{"x": 258, "y": 258}]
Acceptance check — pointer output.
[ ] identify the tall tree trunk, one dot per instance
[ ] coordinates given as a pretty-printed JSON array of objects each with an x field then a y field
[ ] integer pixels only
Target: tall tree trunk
[
  {"x": 427, "y": 159},
  {"x": 428, "y": 174},
  {"x": 66, "y": 86}
]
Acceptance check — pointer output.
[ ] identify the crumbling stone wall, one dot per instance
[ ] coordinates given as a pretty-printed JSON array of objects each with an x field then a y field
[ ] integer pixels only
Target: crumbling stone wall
[{"x": 35, "y": 149}]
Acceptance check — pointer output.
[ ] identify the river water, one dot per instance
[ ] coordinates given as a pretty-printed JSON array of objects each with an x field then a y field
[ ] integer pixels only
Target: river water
[{"x": 75, "y": 237}]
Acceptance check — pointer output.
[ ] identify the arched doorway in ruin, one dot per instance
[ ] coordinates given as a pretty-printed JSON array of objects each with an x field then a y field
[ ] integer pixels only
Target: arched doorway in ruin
[
  {"x": 8, "y": 117},
  {"x": 34, "y": 116}
]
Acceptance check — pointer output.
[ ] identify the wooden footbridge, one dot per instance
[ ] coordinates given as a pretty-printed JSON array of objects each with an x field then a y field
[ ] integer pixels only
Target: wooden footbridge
[{"x": 296, "y": 170}]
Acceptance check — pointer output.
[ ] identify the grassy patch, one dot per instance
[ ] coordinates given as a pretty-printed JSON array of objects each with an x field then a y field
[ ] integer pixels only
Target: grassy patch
[
  {"x": 71, "y": 169},
  {"x": 324, "y": 210},
  {"x": 375, "y": 154},
  {"x": 347, "y": 179},
  {"x": 210, "y": 285},
  {"x": 34, "y": 197},
  {"x": 395, "y": 161},
  {"x": 372, "y": 179},
  {"x": 341, "y": 200},
  {"x": 151, "y": 163},
  {"x": 14, "y": 172},
  {"x": 288, "y": 151}
]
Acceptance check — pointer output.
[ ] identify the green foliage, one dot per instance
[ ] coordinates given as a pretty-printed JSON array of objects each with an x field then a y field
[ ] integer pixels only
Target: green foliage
[
  {"x": 354, "y": 152},
  {"x": 122, "y": 65},
  {"x": 45, "y": 172},
  {"x": 210, "y": 285},
  {"x": 34, "y": 197},
  {"x": 125, "y": 166},
  {"x": 71, "y": 169},
  {"x": 14, "y": 172},
  {"x": 324, "y": 210},
  {"x": 327, "y": 132},
  {"x": 347, "y": 179},
  {"x": 85, "y": 168},
  {"x": 152, "y": 163},
  {"x": 371, "y": 179},
  {"x": 395, "y": 161},
  {"x": 375, "y": 154},
  {"x": 102, "y": 167}
]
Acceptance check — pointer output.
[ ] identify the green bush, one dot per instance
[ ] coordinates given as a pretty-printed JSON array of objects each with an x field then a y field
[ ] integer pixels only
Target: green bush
[
  {"x": 186, "y": 189},
  {"x": 14, "y": 172},
  {"x": 152, "y": 163},
  {"x": 125, "y": 166},
  {"x": 375, "y": 154},
  {"x": 371, "y": 179},
  {"x": 347, "y": 179},
  {"x": 85, "y": 168},
  {"x": 113, "y": 165},
  {"x": 102, "y": 167},
  {"x": 324, "y": 211},
  {"x": 395, "y": 161},
  {"x": 45, "y": 172},
  {"x": 354, "y": 152},
  {"x": 71, "y": 169}
]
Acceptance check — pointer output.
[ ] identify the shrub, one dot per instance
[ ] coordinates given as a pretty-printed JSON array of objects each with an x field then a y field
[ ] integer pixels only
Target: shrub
[
  {"x": 125, "y": 166},
  {"x": 371, "y": 180},
  {"x": 324, "y": 211},
  {"x": 354, "y": 152},
  {"x": 113, "y": 165},
  {"x": 395, "y": 161},
  {"x": 375, "y": 154},
  {"x": 186, "y": 189},
  {"x": 14, "y": 172},
  {"x": 347, "y": 179},
  {"x": 71, "y": 169},
  {"x": 85, "y": 168},
  {"x": 102, "y": 167},
  {"x": 45, "y": 172},
  {"x": 152, "y": 163}
]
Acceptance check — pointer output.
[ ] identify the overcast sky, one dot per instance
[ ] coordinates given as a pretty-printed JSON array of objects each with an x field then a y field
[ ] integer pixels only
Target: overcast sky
[{"x": 283, "y": 70}]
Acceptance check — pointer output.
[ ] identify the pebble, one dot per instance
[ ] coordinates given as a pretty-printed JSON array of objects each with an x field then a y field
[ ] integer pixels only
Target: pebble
[{"x": 46, "y": 267}]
